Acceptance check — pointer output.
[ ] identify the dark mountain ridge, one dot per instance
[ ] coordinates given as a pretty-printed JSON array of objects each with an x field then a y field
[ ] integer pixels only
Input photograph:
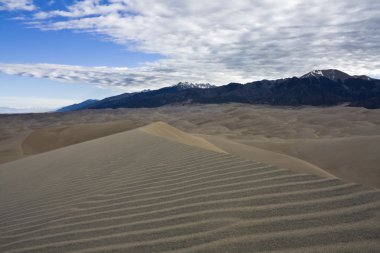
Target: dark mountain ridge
[
  {"x": 316, "y": 88},
  {"x": 79, "y": 106}
]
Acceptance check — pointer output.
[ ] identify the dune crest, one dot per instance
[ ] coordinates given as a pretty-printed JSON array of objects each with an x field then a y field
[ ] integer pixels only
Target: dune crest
[
  {"x": 47, "y": 139},
  {"x": 163, "y": 130},
  {"x": 222, "y": 145}
]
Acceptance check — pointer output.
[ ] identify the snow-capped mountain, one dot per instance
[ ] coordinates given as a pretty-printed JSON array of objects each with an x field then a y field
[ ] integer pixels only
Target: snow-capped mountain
[
  {"x": 316, "y": 88},
  {"x": 333, "y": 74},
  {"x": 187, "y": 85}
]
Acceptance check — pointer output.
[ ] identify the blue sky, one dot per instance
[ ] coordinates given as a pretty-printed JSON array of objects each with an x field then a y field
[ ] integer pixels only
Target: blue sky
[
  {"x": 56, "y": 52},
  {"x": 20, "y": 43}
]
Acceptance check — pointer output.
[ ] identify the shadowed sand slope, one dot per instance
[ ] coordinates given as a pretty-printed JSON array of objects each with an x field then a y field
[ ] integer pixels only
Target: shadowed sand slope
[
  {"x": 29, "y": 142},
  {"x": 136, "y": 192},
  {"x": 56, "y": 137}
]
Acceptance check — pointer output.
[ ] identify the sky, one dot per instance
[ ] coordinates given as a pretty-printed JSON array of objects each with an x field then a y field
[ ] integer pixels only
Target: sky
[{"x": 55, "y": 53}]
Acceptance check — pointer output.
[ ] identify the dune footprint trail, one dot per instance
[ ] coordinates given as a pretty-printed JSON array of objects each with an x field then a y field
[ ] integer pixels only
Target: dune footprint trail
[{"x": 137, "y": 192}]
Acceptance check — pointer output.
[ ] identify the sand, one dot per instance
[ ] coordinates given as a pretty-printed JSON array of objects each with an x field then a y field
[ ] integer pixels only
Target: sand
[
  {"x": 163, "y": 130},
  {"x": 340, "y": 141},
  {"x": 145, "y": 190},
  {"x": 266, "y": 156},
  {"x": 348, "y": 158},
  {"x": 46, "y": 139}
]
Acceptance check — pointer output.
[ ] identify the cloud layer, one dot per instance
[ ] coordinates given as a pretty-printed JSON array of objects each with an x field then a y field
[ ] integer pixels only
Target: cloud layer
[
  {"x": 11, "y": 5},
  {"x": 218, "y": 41},
  {"x": 127, "y": 79}
]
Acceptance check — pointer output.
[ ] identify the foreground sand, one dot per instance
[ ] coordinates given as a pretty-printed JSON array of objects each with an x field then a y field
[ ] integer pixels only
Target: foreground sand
[
  {"x": 339, "y": 141},
  {"x": 157, "y": 189}
]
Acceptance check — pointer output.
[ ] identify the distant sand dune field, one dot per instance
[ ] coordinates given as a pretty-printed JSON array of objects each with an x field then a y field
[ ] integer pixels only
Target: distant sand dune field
[{"x": 158, "y": 189}]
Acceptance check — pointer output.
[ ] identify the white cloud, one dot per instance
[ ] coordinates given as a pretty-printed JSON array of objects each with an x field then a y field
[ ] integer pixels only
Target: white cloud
[
  {"x": 11, "y": 5},
  {"x": 219, "y": 41}
]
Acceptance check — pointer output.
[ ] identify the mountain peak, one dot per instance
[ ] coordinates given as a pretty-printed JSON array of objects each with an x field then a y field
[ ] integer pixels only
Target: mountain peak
[
  {"x": 187, "y": 85},
  {"x": 332, "y": 74}
]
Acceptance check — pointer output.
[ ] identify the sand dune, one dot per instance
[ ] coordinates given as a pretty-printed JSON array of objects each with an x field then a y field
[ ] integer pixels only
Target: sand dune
[
  {"x": 11, "y": 147},
  {"x": 52, "y": 138},
  {"x": 168, "y": 132},
  {"x": 223, "y": 145},
  {"x": 342, "y": 141},
  {"x": 137, "y": 192}
]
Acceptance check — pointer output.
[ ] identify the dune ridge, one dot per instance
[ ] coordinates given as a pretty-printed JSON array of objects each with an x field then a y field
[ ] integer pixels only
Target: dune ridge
[
  {"x": 137, "y": 192},
  {"x": 43, "y": 140},
  {"x": 168, "y": 132},
  {"x": 343, "y": 141}
]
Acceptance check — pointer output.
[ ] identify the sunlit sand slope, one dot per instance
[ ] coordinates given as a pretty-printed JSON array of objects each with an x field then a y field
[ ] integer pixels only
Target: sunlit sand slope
[
  {"x": 136, "y": 192},
  {"x": 168, "y": 132}
]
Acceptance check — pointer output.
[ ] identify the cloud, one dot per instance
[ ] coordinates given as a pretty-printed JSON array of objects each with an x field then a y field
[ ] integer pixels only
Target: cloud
[
  {"x": 218, "y": 41},
  {"x": 127, "y": 79},
  {"x": 11, "y": 5}
]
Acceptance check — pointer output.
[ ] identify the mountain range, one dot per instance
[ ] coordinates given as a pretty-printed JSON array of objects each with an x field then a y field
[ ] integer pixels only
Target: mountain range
[
  {"x": 79, "y": 106},
  {"x": 316, "y": 88}
]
